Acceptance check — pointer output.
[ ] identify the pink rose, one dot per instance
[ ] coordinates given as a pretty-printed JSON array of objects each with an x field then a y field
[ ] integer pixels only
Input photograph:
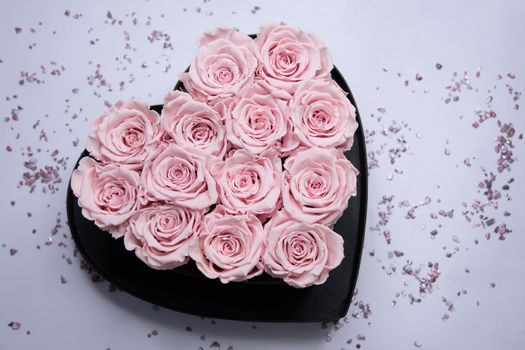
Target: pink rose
[
  {"x": 249, "y": 183},
  {"x": 124, "y": 134},
  {"x": 301, "y": 254},
  {"x": 290, "y": 56},
  {"x": 107, "y": 194},
  {"x": 175, "y": 175},
  {"x": 161, "y": 235},
  {"x": 192, "y": 124},
  {"x": 317, "y": 185},
  {"x": 322, "y": 115},
  {"x": 229, "y": 247},
  {"x": 259, "y": 122},
  {"x": 224, "y": 65}
]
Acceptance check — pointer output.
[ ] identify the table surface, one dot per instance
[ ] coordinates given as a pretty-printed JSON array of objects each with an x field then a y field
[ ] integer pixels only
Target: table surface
[{"x": 439, "y": 88}]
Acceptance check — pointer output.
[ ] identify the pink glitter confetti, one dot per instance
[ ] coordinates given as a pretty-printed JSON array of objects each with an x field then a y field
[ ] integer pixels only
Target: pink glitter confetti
[{"x": 14, "y": 325}]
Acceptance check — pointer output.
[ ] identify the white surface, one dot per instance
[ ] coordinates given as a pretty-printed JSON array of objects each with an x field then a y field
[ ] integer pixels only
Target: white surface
[{"x": 406, "y": 37}]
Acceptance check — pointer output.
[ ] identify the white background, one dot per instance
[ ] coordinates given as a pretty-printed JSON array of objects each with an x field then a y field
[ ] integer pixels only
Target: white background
[{"x": 377, "y": 45}]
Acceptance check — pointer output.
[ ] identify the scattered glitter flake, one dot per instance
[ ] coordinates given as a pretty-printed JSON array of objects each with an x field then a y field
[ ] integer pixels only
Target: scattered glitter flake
[
  {"x": 456, "y": 86},
  {"x": 398, "y": 253},
  {"x": 98, "y": 81},
  {"x": 18, "y": 30},
  {"x": 417, "y": 344},
  {"x": 426, "y": 281},
  {"x": 215, "y": 345},
  {"x": 411, "y": 213},
  {"x": 384, "y": 207},
  {"x": 14, "y": 325},
  {"x": 188, "y": 329},
  {"x": 381, "y": 110},
  {"x": 63, "y": 280},
  {"x": 447, "y": 152},
  {"x": 13, "y": 251},
  {"x": 362, "y": 310},
  {"x": 439, "y": 66},
  {"x": 511, "y": 75},
  {"x": 255, "y": 9},
  {"x": 159, "y": 36},
  {"x": 419, "y": 77},
  {"x": 492, "y": 284}
]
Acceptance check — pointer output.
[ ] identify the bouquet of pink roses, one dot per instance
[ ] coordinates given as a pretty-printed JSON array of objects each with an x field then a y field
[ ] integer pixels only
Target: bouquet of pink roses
[{"x": 244, "y": 173}]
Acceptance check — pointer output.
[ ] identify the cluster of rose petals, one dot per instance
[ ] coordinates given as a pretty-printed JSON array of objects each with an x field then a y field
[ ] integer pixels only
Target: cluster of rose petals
[
  {"x": 174, "y": 174},
  {"x": 249, "y": 182},
  {"x": 244, "y": 170},
  {"x": 124, "y": 134},
  {"x": 229, "y": 247},
  {"x": 317, "y": 184},
  {"x": 193, "y": 125},
  {"x": 300, "y": 253},
  {"x": 161, "y": 235},
  {"x": 107, "y": 194}
]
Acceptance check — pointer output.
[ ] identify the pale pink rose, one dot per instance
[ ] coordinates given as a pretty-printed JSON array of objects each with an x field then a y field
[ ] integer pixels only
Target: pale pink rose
[
  {"x": 229, "y": 247},
  {"x": 192, "y": 124},
  {"x": 301, "y": 254},
  {"x": 322, "y": 115},
  {"x": 124, "y": 134},
  {"x": 161, "y": 235},
  {"x": 249, "y": 183},
  {"x": 175, "y": 175},
  {"x": 107, "y": 194},
  {"x": 289, "y": 56},
  {"x": 224, "y": 65},
  {"x": 317, "y": 185},
  {"x": 259, "y": 121}
]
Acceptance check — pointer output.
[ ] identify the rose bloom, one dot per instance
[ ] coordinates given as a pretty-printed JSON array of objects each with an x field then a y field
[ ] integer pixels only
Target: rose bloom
[
  {"x": 175, "y": 175},
  {"x": 229, "y": 247},
  {"x": 289, "y": 56},
  {"x": 249, "y": 183},
  {"x": 322, "y": 115},
  {"x": 301, "y": 254},
  {"x": 161, "y": 235},
  {"x": 107, "y": 194},
  {"x": 192, "y": 124},
  {"x": 259, "y": 121},
  {"x": 225, "y": 64},
  {"x": 124, "y": 134},
  {"x": 317, "y": 185}
]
